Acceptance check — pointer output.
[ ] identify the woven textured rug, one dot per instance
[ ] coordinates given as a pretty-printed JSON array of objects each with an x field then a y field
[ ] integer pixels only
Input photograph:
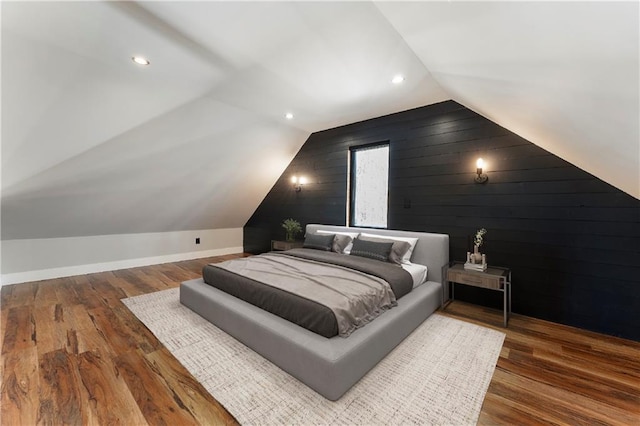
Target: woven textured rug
[{"x": 437, "y": 375}]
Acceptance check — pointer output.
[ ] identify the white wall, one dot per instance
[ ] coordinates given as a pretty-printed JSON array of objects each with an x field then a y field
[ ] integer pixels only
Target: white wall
[{"x": 38, "y": 259}]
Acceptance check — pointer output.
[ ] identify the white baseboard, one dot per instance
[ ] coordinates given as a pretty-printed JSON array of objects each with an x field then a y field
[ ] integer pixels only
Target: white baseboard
[{"x": 68, "y": 271}]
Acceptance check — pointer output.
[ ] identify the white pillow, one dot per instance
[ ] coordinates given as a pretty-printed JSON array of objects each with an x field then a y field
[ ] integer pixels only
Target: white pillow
[
  {"x": 412, "y": 243},
  {"x": 353, "y": 236}
]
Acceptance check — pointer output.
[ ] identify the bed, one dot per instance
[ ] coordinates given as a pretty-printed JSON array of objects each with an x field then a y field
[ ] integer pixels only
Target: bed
[{"x": 332, "y": 365}]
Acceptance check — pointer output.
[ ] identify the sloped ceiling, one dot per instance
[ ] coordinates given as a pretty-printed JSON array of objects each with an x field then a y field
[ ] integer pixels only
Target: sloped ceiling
[
  {"x": 564, "y": 75},
  {"x": 93, "y": 144}
]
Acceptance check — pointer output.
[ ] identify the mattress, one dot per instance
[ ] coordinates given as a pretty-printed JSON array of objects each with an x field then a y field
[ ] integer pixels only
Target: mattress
[
  {"x": 310, "y": 313},
  {"x": 418, "y": 273}
]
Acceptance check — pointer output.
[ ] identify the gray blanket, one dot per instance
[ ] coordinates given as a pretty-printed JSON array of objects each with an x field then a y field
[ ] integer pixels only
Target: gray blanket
[
  {"x": 354, "y": 297},
  {"x": 399, "y": 279}
]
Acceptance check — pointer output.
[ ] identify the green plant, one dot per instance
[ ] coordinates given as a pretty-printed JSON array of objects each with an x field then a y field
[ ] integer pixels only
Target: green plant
[
  {"x": 292, "y": 228},
  {"x": 478, "y": 239}
]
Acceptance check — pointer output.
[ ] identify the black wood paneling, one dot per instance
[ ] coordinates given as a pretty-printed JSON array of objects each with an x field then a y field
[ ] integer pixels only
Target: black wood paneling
[{"x": 572, "y": 240}]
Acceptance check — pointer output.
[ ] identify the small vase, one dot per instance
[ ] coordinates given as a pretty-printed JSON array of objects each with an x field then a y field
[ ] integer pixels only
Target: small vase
[{"x": 477, "y": 257}]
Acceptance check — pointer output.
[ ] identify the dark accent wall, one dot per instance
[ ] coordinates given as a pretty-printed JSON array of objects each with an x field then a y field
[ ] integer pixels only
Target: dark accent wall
[{"x": 572, "y": 240}]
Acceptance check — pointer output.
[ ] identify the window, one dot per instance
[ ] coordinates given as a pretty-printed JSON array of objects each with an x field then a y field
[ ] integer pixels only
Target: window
[{"x": 369, "y": 185}]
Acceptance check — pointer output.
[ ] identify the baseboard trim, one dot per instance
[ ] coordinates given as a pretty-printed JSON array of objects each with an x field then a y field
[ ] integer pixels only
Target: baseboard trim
[{"x": 69, "y": 271}]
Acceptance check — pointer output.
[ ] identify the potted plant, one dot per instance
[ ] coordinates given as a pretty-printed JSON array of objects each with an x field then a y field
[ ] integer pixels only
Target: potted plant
[{"x": 292, "y": 228}]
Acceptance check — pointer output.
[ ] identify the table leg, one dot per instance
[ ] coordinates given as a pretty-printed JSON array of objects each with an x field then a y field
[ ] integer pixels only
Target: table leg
[
  {"x": 509, "y": 294},
  {"x": 504, "y": 303}
]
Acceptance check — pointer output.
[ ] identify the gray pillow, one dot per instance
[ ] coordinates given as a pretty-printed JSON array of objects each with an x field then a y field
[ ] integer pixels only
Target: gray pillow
[
  {"x": 370, "y": 249},
  {"x": 398, "y": 250},
  {"x": 341, "y": 242},
  {"x": 319, "y": 242}
]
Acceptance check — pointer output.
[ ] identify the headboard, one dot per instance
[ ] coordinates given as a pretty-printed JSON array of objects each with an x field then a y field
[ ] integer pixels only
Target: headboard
[{"x": 431, "y": 250}]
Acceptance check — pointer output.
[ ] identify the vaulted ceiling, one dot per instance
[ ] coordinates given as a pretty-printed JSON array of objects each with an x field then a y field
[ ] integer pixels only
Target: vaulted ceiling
[{"x": 94, "y": 144}]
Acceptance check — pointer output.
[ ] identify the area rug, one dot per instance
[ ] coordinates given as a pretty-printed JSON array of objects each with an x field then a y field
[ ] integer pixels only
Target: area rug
[{"x": 437, "y": 375}]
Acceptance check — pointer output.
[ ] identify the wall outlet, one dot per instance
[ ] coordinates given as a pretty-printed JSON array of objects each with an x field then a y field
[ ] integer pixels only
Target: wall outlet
[{"x": 197, "y": 240}]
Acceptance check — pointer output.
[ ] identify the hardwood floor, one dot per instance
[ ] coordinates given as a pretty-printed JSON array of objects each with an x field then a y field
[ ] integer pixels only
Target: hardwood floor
[
  {"x": 73, "y": 353},
  {"x": 554, "y": 374}
]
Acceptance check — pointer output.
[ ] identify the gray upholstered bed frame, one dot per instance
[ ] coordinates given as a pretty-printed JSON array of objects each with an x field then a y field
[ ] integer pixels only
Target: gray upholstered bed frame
[{"x": 329, "y": 366}]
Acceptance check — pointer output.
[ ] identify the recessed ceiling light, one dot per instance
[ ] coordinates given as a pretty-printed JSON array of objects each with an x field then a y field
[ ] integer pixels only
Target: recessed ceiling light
[
  {"x": 288, "y": 116},
  {"x": 140, "y": 60},
  {"x": 397, "y": 79}
]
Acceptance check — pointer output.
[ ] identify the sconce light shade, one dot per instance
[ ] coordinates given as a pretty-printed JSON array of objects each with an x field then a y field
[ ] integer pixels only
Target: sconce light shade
[
  {"x": 298, "y": 182},
  {"x": 481, "y": 177}
]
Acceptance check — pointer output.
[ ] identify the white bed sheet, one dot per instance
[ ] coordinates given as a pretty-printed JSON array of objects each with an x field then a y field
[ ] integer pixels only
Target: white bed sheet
[{"x": 418, "y": 272}]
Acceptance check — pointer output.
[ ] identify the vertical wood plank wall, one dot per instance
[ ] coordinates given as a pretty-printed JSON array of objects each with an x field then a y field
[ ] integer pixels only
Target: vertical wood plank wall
[{"x": 572, "y": 240}]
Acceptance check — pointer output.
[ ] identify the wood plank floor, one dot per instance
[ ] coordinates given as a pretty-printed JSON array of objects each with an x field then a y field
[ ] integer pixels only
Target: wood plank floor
[{"x": 72, "y": 353}]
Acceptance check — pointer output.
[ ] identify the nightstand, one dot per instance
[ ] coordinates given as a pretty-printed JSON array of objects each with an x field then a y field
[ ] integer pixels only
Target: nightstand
[
  {"x": 494, "y": 278},
  {"x": 278, "y": 245}
]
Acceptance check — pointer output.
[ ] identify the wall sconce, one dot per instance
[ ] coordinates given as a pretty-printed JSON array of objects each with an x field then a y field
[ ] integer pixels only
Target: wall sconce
[
  {"x": 298, "y": 182},
  {"x": 481, "y": 178}
]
